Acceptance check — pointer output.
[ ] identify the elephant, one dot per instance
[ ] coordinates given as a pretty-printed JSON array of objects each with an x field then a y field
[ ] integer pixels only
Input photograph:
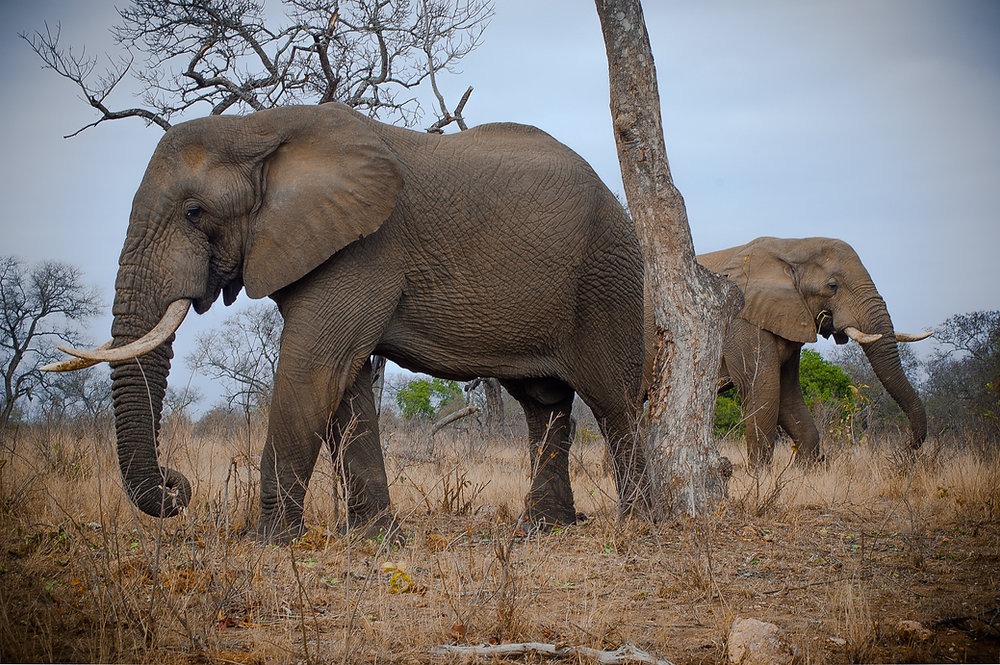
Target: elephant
[
  {"x": 794, "y": 289},
  {"x": 496, "y": 251}
]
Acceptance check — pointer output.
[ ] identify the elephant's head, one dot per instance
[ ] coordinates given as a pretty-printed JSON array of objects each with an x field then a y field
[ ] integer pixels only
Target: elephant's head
[
  {"x": 229, "y": 201},
  {"x": 796, "y": 288}
]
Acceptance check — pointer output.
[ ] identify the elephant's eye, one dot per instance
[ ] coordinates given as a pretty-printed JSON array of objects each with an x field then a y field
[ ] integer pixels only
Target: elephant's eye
[
  {"x": 832, "y": 286},
  {"x": 193, "y": 212}
]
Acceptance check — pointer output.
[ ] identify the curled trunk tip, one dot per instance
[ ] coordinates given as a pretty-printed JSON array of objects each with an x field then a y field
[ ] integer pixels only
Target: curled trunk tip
[{"x": 163, "y": 496}]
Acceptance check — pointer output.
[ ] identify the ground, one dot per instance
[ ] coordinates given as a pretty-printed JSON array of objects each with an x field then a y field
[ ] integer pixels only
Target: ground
[{"x": 837, "y": 557}]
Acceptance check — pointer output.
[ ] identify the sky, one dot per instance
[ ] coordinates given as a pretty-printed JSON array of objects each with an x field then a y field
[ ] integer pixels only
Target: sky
[{"x": 874, "y": 122}]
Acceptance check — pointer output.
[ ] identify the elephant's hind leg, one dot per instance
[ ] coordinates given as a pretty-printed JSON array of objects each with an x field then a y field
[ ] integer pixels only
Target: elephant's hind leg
[
  {"x": 357, "y": 455},
  {"x": 752, "y": 361},
  {"x": 547, "y": 404},
  {"x": 617, "y": 418}
]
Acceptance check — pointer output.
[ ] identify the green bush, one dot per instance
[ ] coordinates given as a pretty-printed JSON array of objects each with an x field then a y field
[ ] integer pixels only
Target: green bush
[
  {"x": 427, "y": 398},
  {"x": 821, "y": 380},
  {"x": 728, "y": 416}
]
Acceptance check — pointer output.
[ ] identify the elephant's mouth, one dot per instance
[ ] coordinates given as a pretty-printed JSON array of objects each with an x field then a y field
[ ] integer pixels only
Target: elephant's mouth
[
  {"x": 229, "y": 290},
  {"x": 825, "y": 327}
]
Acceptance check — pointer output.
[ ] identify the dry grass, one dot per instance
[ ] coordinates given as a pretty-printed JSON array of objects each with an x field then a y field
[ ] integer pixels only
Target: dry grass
[{"x": 837, "y": 556}]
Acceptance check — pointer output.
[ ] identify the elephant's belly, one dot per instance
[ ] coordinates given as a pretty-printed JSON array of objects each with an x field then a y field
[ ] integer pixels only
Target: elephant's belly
[{"x": 468, "y": 349}]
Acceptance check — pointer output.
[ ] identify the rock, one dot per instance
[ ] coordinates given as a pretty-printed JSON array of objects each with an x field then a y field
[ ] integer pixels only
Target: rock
[
  {"x": 753, "y": 642},
  {"x": 914, "y": 631}
]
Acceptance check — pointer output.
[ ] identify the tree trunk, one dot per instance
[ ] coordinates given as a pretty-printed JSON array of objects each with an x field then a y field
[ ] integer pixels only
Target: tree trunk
[
  {"x": 494, "y": 405},
  {"x": 378, "y": 382},
  {"x": 691, "y": 306}
]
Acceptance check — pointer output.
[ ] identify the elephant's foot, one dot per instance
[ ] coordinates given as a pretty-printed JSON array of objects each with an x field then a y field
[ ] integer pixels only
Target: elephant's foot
[
  {"x": 759, "y": 458},
  {"x": 809, "y": 459},
  {"x": 383, "y": 529},
  {"x": 278, "y": 532},
  {"x": 544, "y": 515}
]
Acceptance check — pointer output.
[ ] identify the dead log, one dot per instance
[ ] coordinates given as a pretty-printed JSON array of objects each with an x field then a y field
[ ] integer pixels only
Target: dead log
[{"x": 452, "y": 417}]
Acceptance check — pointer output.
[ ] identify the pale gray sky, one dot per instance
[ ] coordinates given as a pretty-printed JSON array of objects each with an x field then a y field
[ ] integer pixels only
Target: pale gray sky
[{"x": 874, "y": 122}]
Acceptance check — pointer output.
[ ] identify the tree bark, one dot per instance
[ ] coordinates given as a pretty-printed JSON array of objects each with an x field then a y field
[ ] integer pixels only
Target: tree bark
[{"x": 691, "y": 305}]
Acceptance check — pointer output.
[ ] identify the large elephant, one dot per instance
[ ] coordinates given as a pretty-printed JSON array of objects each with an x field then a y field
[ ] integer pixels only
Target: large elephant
[
  {"x": 496, "y": 251},
  {"x": 794, "y": 289}
]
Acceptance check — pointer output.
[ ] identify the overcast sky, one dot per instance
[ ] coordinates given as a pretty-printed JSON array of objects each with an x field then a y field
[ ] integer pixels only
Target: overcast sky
[{"x": 873, "y": 121}]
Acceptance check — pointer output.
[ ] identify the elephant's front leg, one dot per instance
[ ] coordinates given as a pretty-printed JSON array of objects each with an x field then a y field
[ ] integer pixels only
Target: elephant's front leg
[
  {"x": 794, "y": 416},
  {"x": 305, "y": 394},
  {"x": 295, "y": 430},
  {"x": 357, "y": 453}
]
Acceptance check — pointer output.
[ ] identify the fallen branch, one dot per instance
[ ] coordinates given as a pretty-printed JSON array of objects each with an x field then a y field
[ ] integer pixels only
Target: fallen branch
[
  {"x": 452, "y": 417},
  {"x": 626, "y": 653}
]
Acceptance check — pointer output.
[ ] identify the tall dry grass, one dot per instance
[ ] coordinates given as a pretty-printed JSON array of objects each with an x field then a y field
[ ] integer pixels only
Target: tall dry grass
[{"x": 823, "y": 552}]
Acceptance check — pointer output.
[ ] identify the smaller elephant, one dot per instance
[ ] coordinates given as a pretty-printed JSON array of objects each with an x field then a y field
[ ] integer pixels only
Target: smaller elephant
[{"x": 794, "y": 289}]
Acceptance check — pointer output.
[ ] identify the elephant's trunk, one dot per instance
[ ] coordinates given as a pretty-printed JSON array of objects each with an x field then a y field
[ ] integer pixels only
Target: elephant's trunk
[
  {"x": 883, "y": 354},
  {"x": 138, "y": 388}
]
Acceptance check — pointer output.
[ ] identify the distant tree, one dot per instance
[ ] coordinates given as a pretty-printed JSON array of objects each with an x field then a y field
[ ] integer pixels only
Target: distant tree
[
  {"x": 221, "y": 422},
  {"x": 217, "y": 56},
  {"x": 242, "y": 355},
  {"x": 487, "y": 394},
  {"x": 963, "y": 376},
  {"x": 81, "y": 395},
  {"x": 178, "y": 403},
  {"x": 428, "y": 398},
  {"x": 40, "y": 306},
  {"x": 836, "y": 403}
]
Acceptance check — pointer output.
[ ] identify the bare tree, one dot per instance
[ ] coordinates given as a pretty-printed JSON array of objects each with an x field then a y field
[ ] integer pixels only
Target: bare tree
[
  {"x": 690, "y": 304},
  {"x": 963, "y": 376},
  {"x": 487, "y": 393},
  {"x": 39, "y": 306},
  {"x": 81, "y": 395},
  {"x": 216, "y": 56},
  {"x": 242, "y": 355},
  {"x": 974, "y": 334}
]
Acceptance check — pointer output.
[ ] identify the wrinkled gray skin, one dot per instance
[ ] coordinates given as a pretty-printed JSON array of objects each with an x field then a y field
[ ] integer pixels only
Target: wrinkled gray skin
[
  {"x": 493, "y": 252},
  {"x": 787, "y": 284}
]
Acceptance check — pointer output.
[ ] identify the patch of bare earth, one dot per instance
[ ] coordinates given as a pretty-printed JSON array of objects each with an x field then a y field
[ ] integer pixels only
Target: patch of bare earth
[{"x": 837, "y": 557}]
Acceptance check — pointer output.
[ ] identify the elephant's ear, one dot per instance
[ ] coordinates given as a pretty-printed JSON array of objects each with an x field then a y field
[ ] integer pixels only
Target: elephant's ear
[
  {"x": 771, "y": 298},
  {"x": 331, "y": 181}
]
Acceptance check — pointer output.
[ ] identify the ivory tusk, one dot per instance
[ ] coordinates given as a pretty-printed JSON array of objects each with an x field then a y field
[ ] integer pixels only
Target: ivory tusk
[
  {"x": 171, "y": 320},
  {"x": 909, "y": 337},
  {"x": 74, "y": 364},
  {"x": 861, "y": 337}
]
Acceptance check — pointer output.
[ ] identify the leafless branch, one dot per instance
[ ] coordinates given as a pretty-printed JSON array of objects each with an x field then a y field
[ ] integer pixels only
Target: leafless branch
[
  {"x": 452, "y": 417},
  {"x": 181, "y": 54},
  {"x": 627, "y": 653}
]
